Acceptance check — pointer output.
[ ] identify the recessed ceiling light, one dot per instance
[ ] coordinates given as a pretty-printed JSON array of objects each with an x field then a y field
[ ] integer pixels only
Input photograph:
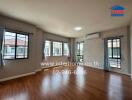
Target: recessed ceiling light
[{"x": 78, "y": 28}]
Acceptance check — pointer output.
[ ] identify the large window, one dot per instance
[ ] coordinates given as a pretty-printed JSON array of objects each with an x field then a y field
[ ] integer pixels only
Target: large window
[
  {"x": 114, "y": 52},
  {"x": 54, "y": 48},
  {"x": 66, "y": 49},
  {"x": 57, "y": 48},
  {"x": 47, "y": 49},
  {"x": 15, "y": 45},
  {"x": 79, "y": 55}
]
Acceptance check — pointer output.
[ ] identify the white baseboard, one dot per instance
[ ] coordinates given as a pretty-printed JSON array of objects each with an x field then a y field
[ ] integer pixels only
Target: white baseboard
[
  {"x": 31, "y": 73},
  {"x": 96, "y": 67},
  {"x": 17, "y": 76},
  {"x": 50, "y": 66},
  {"x": 121, "y": 73},
  {"x": 26, "y": 74},
  {"x": 37, "y": 70},
  {"x": 112, "y": 71}
]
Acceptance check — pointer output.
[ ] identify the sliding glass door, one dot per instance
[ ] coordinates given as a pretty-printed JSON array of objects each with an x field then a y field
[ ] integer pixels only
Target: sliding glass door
[{"x": 112, "y": 53}]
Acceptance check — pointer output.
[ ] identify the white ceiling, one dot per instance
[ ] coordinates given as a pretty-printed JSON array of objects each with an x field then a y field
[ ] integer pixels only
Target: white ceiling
[{"x": 61, "y": 16}]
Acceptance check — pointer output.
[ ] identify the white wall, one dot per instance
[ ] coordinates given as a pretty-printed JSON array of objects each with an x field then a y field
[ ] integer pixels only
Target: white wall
[
  {"x": 54, "y": 37},
  {"x": 94, "y": 53},
  {"x": 22, "y": 66},
  {"x": 94, "y": 50}
]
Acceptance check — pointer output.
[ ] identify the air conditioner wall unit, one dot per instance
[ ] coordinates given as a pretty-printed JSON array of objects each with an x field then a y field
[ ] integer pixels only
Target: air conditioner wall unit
[{"x": 92, "y": 36}]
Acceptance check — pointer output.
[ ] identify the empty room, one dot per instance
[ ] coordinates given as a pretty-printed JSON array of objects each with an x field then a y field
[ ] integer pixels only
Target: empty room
[{"x": 65, "y": 49}]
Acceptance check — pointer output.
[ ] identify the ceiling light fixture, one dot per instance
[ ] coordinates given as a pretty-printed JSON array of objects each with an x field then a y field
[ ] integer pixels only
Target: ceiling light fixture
[{"x": 78, "y": 28}]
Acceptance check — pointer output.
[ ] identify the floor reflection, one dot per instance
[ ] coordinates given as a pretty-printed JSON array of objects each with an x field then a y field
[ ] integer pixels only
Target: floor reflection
[
  {"x": 55, "y": 81},
  {"x": 69, "y": 83},
  {"x": 65, "y": 77},
  {"x": 45, "y": 85},
  {"x": 80, "y": 77},
  {"x": 115, "y": 88},
  {"x": 21, "y": 96}
]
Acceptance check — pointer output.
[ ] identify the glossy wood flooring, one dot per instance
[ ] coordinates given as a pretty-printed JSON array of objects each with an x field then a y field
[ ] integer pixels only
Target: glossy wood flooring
[{"x": 80, "y": 83}]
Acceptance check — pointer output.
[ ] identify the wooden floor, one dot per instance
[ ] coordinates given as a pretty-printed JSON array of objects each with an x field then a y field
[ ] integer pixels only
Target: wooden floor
[{"x": 80, "y": 83}]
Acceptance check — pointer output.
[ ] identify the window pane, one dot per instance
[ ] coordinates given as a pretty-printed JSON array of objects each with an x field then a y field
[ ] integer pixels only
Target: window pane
[
  {"x": 114, "y": 43},
  {"x": 81, "y": 48},
  {"x": 115, "y": 52},
  {"x": 79, "y": 54},
  {"x": 118, "y": 42},
  {"x": 9, "y": 45},
  {"x": 47, "y": 48},
  {"x": 66, "y": 49},
  {"x": 78, "y": 48},
  {"x": 57, "y": 49},
  {"x": 116, "y": 48},
  {"x": 115, "y": 63},
  {"x": 22, "y": 46}
]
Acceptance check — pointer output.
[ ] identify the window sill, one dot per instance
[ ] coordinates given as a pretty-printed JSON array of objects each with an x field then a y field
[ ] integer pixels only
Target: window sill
[
  {"x": 115, "y": 68},
  {"x": 17, "y": 59}
]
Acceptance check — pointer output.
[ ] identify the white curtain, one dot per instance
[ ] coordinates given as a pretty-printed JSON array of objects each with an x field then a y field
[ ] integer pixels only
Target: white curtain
[
  {"x": 43, "y": 57},
  {"x": 106, "y": 65}
]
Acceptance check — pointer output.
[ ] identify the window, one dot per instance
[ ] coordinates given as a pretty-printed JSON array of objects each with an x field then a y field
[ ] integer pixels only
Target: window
[
  {"x": 57, "y": 48},
  {"x": 79, "y": 56},
  {"x": 114, "y": 52},
  {"x": 47, "y": 49},
  {"x": 81, "y": 48},
  {"x": 114, "y": 48},
  {"x": 15, "y": 45},
  {"x": 66, "y": 49}
]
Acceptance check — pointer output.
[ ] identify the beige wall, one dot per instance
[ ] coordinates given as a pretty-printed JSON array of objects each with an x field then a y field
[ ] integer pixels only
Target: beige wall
[
  {"x": 23, "y": 66},
  {"x": 54, "y": 37},
  {"x": 17, "y": 67},
  {"x": 94, "y": 53},
  {"x": 94, "y": 50},
  {"x": 72, "y": 49}
]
